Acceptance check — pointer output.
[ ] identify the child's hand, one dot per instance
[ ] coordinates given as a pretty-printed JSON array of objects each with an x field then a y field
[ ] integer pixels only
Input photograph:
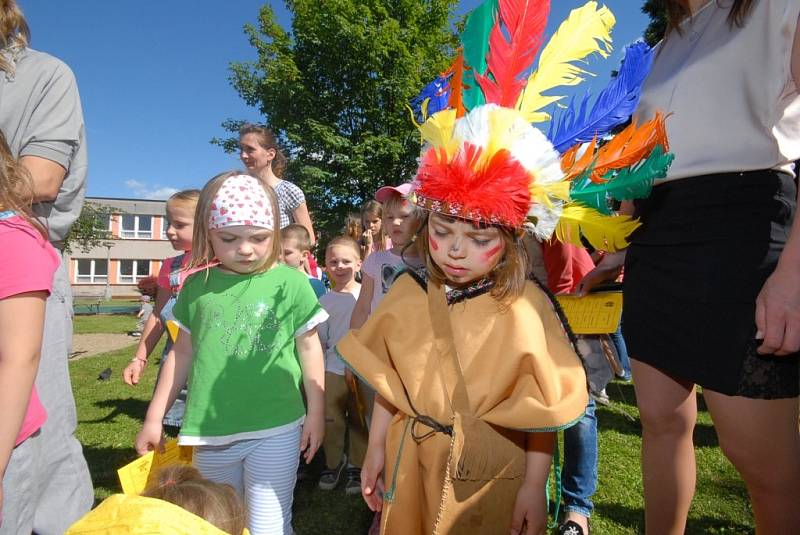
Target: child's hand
[
  {"x": 349, "y": 378},
  {"x": 150, "y": 438},
  {"x": 372, "y": 487},
  {"x": 530, "y": 511},
  {"x": 133, "y": 371},
  {"x": 367, "y": 238},
  {"x": 313, "y": 432}
]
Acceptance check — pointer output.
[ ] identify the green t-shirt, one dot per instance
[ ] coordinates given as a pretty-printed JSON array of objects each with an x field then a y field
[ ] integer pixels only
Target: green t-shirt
[{"x": 245, "y": 375}]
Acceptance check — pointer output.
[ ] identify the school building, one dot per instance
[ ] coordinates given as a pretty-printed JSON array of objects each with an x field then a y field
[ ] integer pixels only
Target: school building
[{"x": 135, "y": 250}]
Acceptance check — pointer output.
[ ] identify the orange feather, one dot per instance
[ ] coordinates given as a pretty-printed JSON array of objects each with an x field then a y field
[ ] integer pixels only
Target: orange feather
[
  {"x": 627, "y": 148},
  {"x": 456, "y": 101}
]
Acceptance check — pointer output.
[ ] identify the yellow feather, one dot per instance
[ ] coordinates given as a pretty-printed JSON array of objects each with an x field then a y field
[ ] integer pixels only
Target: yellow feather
[
  {"x": 607, "y": 233},
  {"x": 586, "y": 30},
  {"x": 502, "y": 134},
  {"x": 438, "y": 131},
  {"x": 543, "y": 192}
]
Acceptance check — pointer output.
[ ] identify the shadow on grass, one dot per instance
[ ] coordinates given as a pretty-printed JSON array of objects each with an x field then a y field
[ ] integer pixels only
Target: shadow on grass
[
  {"x": 328, "y": 511},
  {"x": 623, "y": 418},
  {"x": 131, "y": 407},
  {"x": 103, "y": 463},
  {"x": 629, "y": 517},
  {"x": 633, "y": 518},
  {"x": 706, "y": 525}
]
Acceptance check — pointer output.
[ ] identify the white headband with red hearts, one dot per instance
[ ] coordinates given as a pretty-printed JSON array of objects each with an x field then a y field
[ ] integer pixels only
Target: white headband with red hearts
[{"x": 241, "y": 201}]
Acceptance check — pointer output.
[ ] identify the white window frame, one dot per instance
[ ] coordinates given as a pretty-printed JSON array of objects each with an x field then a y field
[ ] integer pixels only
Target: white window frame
[
  {"x": 164, "y": 227},
  {"x": 92, "y": 277},
  {"x": 135, "y": 233},
  {"x": 134, "y": 277}
]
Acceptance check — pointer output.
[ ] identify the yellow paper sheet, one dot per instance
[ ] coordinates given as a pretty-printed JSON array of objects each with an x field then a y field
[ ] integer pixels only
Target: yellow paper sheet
[
  {"x": 172, "y": 330},
  {"x": 135, "y": 476},
  {"x": 597, "y": 313}
]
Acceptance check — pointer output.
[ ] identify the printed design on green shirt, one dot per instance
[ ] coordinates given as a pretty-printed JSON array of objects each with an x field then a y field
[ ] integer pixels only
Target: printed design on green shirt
[{"x": 245, "y": 328}]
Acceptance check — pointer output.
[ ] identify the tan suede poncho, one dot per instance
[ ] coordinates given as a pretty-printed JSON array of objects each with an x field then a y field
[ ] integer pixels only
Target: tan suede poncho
[{"x": 521, "y": 375}]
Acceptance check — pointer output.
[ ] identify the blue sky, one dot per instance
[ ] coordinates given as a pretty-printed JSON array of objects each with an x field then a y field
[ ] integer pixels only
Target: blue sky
[{"x": 153, "y": 77}]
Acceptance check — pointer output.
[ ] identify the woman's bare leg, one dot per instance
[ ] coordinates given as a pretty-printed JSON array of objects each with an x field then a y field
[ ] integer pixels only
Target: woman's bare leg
[
  {"x": 668, "y": 411},
  {"x": 761, "y": 439}
]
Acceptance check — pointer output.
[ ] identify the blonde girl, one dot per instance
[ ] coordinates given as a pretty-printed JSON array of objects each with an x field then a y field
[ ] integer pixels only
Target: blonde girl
[
  {"x": 180, "y": 217},
  {"x": 243, "y": 324},
  {"x": 372, "y": 238},
  {"x": 178, "y": 500},
  {"x": 401, "y": 221}
]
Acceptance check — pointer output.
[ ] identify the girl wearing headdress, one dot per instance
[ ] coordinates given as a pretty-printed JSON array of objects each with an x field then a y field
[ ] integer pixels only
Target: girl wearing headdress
[{"x": 473, "y": 366}]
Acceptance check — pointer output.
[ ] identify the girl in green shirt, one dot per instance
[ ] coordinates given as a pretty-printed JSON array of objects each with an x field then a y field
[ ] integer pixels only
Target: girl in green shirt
[{"x": 243, "y": 324}]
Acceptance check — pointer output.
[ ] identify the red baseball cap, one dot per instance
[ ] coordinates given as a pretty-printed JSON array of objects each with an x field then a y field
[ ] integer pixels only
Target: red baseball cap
[{"x": 386, "y": 192}]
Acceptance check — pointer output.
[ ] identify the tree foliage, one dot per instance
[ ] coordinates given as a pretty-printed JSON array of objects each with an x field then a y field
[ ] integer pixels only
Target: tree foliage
[
  {"x": 90, "y": 229},
  {"x": 335, "y": 89},
  {"x": 657, "y": 11}
]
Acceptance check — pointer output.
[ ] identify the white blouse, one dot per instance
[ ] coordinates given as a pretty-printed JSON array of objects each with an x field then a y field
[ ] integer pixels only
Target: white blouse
[{"x": 734, "y": 104}]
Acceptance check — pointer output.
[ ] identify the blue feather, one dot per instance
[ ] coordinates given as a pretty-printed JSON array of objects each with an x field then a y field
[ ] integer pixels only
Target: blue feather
[
  {"x": 436, "y": 93},
  {"x": 613, "y": 105}
]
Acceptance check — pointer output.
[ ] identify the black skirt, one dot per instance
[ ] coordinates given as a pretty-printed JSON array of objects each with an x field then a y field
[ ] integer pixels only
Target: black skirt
[{"x": 692, "y": 274}]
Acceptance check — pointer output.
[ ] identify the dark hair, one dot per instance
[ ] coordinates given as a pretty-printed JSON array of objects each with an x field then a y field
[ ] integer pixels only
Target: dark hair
[
  {"x": 678, "y": 11},
  {"x": 266, "y": 138}
]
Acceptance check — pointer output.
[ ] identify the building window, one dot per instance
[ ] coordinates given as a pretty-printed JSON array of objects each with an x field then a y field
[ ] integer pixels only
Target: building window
[
  {"x": 132, "y": 271},
  {"x": 91, "y": 271},
  {"x": 136, "y": 227},
  {"x": 164, "y": 227}
]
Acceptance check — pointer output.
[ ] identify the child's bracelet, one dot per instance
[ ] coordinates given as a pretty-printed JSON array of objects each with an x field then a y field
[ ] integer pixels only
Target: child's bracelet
[{"x": 140, "y": 359}]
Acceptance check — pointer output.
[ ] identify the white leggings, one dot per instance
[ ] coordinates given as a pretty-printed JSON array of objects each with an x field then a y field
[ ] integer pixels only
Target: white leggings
[{"x": 263, "y": 471}]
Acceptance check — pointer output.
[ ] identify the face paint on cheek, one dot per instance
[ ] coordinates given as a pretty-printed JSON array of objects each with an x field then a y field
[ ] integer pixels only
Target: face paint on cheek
[
  {"x": 434, "y": 245},
  {"x": 489, "y": 255}
]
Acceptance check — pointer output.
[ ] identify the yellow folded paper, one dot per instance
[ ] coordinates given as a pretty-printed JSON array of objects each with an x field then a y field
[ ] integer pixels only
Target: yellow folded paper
[{"x": 135, "y": 476}]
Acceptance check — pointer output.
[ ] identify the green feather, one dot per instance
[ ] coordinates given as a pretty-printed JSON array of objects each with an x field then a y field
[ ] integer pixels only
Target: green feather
[
  {"x": 475, "y": 40},
  {"x": 633, "y": 182}
]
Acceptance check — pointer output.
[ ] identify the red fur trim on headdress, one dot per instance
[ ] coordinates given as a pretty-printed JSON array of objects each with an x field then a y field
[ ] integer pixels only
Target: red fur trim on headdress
[{"x": 496, "y": 192}]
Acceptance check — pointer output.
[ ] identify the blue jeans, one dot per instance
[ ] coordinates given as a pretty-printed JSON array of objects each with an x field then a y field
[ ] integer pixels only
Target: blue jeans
[
  {"x": 579, "y": 476},
  {"x": 622, "y": 351}
]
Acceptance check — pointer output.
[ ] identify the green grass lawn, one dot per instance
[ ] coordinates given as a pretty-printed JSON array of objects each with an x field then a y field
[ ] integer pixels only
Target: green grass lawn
[
  {"x": 104, "y": 323},
  {"x": 110, "y": 413}
]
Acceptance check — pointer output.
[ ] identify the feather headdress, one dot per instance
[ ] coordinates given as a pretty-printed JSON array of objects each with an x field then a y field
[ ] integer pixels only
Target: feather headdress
[{"x": 484, "y": 160}]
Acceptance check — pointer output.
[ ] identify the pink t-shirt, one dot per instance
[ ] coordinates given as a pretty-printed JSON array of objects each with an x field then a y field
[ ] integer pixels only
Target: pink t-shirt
[
  {"x": 166, "y": 269},
  {"x": 30, "y": 269}
]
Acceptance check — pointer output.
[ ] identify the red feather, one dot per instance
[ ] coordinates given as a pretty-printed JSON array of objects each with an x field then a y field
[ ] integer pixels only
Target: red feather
[
  {"x": 498, "y": 190},
  {"x": 507, "y": 60}
]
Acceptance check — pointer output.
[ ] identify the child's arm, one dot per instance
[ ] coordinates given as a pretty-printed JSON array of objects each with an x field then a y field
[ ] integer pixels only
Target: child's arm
[
  {"x": 21, "y": 328},
  {"x": 361, "y": 310},
  {"x": 313, "y": 365},
  {"x": 371, "y": 481},
  {"x": 151, "y": 334},
  {"x": 173, "y": 375},
  {"x": 530, "y": 510}
]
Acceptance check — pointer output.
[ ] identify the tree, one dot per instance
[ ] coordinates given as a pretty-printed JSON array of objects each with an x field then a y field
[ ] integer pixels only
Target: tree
[
  {"x": 90, "y": 229},
  {"x": 335, "y": 91},
  {"x": 657, "y": 11}
]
